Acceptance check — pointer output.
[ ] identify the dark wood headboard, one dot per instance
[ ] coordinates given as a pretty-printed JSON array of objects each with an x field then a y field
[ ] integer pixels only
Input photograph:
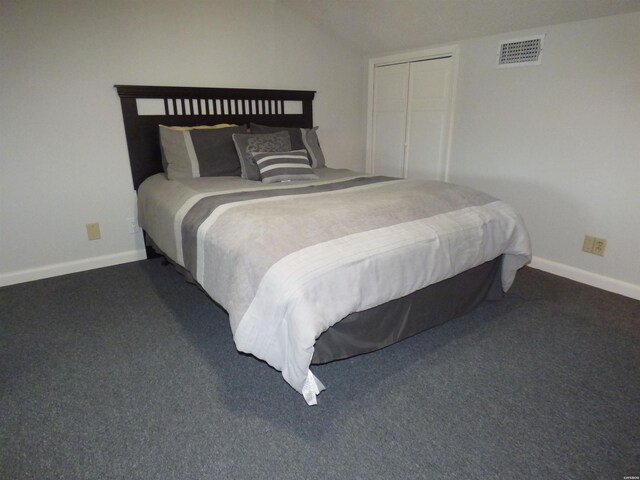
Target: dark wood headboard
[{"x": 189, "y": 106}]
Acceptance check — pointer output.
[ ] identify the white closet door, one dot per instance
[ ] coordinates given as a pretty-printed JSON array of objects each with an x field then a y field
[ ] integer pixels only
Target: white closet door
[
  {"x": 428, "y": 118},
  {"x": 391, "y": 83}
]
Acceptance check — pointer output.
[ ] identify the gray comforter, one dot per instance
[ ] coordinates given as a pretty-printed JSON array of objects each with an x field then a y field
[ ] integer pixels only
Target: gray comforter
[{"x": 289, "y": 260}]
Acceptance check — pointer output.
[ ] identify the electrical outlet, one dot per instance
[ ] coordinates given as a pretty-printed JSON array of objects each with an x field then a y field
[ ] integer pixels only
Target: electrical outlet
[
  {"x": 599, "y": 246},
  {"x": 93, "y": 231},
  {"x": 587, "y": 246},
  {"x": 594, "y": 245}
]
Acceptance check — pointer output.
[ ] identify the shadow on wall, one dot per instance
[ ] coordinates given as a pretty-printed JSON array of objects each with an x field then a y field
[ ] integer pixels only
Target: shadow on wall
[{"x": 551, "y": 215}]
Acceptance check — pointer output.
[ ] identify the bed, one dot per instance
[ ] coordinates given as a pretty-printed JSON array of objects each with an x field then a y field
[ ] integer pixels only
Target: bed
[{"x": 312, "y": 264}]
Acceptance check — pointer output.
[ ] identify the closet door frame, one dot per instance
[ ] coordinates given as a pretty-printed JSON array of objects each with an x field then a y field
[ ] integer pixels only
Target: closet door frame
[{"x": 415, "y": 55}]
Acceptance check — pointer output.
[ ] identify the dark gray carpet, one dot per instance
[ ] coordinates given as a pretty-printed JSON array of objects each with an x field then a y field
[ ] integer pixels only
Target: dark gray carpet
[{"x": 129, "y": 372}]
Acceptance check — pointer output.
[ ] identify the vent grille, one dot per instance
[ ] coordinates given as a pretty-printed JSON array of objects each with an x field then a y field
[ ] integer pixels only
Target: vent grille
[{"x": 526, "y": 51}]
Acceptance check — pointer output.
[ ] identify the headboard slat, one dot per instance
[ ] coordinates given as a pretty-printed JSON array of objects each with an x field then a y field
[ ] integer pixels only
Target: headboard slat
[{"x": 183, "y": 106}]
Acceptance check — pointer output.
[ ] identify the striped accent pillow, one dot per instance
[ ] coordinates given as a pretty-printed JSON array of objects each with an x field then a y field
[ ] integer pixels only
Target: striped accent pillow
[
  {"x": 284, "y": 166},
  {"x": 306, "y": 138}
]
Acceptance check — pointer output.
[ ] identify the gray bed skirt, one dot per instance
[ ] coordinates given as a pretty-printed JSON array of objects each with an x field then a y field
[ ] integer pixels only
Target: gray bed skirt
[{"x": 386, "y": 324}]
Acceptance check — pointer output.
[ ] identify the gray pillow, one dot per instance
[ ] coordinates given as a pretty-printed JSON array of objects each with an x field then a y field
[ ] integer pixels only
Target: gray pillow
[
  {"x": 199, "y": 152},
  {"x": 306, "y": 138},
  {"x": 284, "y": 166},
  {"x": 248, "y": 143}
]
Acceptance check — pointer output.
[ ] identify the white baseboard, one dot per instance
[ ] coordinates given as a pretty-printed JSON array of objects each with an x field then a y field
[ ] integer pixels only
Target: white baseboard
[
  {"x": 560, "y": 269},
  {"x": 65, "y": 268},
  {"x": 589, "y": 278}
]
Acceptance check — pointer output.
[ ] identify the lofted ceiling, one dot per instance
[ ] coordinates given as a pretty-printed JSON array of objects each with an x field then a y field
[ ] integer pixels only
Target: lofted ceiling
[{"x": 375, "y": 27}]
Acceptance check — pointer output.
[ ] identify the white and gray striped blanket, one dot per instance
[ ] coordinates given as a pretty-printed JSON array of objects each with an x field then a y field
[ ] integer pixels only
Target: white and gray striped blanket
[{"x": 289, "y": 260}]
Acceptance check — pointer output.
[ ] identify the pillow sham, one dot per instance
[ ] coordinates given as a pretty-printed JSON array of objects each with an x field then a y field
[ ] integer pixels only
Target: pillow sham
[
  {"x": 306, "y": 138},
  {"x": 199, "y": 152},
  {"x": 284, "y": 166},
  {"x": 249, "y": 143}
]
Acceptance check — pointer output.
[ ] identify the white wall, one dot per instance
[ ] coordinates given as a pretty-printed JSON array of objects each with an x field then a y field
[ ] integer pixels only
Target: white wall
[
  {"x": 63, "y": 157},
  {"x": 561, "y": 142}
]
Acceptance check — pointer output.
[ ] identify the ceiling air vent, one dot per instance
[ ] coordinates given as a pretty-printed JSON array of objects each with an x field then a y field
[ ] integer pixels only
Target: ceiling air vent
[{"x": 521, "y": 52}]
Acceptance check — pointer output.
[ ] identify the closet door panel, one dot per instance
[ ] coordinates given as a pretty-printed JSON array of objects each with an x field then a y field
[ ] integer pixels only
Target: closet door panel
[
  {"x": 426, "y": 148},
  {"x": 391, "y": 85},
  {"x": 428, "y": 118}
]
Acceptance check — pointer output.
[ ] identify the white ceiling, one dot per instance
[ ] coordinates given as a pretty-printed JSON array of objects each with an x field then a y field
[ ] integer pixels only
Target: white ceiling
[{"x": 381, "y": 26}]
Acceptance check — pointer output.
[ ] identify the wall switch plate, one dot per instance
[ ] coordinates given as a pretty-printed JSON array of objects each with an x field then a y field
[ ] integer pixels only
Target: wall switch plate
[
  {"x": 594, "y": 245},
  {"x": 93, "y": 231}
]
